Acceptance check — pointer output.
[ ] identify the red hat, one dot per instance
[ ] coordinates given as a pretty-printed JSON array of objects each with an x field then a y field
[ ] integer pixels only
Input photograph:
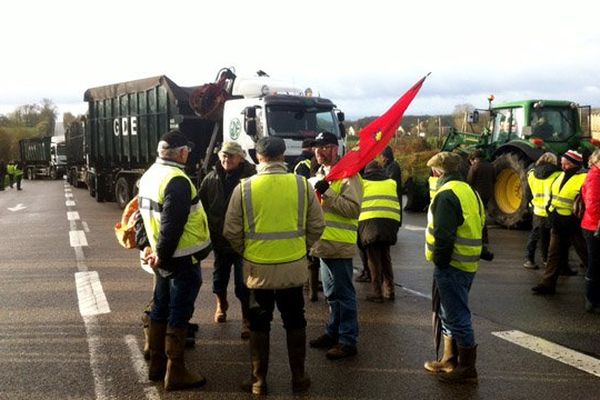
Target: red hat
[{"x": 574, "y": 156}]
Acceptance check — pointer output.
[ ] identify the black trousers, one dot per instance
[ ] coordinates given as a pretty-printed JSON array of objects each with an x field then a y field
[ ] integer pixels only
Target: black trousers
[{"x": 290, "y": 303}]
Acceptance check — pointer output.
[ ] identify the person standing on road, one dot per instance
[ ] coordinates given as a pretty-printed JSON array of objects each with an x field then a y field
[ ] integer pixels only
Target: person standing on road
[
  {"x": 590, "y": 224},
  {"x": 566, "y": 228},
  {"x": 341, "y": 202},
  {"x": 540, "y": 179},
  {"x": 302, "y": 164},
  {"x": 272, "y": 219},
  {"x": 378, "y": 225},
  {"x": 10, "y": 171},
  {"x": 2, "y": 174},
  {"x": 177, "y": 229},
  {"x": 455, "y": 221},
  {"x": 481, "y": 177},
  {"x": 18, "y": 173},
  {"x": 215, "y": 191}
]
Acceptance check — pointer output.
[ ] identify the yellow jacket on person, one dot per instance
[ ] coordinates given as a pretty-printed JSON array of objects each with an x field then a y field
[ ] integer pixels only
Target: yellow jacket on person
[
  {"x": 380, "y": 200},
  {"x": 564, "y": 197},
  {"x": 541, "y": 190}
]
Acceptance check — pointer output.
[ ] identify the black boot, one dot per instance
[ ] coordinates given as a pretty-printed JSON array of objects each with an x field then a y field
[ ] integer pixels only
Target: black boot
[
  {"x": 296, "y": 345},
  {"x": 259, "y": 352}
]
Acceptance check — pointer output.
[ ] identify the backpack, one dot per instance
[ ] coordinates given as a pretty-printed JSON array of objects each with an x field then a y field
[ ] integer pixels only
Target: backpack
[{"x": 125, "y": 230}]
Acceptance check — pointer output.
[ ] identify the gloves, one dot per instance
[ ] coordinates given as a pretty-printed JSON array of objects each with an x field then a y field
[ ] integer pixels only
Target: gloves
[{"x": 321, "y": 186}]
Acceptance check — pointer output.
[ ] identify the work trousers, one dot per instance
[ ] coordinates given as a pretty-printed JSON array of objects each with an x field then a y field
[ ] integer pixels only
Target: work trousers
[
  {"x": 380, "y": 265},
  {"x": 592, "y": 275},
  {"x": 558, "y": 253},
  {"x": 224, "y": 261},
  {"x": 290, "y": 303},
  {"x": 539, "y": 232}
]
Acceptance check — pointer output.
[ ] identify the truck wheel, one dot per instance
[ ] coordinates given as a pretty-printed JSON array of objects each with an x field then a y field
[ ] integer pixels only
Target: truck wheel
[
  {"x": 53, "y": 174},
  {"x": 122, "y": 192},
  {"x": 30, "y": 174},
  {"x": 508, "y": 207},
  {"x": 91, "y": 184}
]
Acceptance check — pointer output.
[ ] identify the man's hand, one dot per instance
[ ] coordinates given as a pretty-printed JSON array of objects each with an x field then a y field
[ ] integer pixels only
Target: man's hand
[
  {"x": 321, "y": 186},
  {"x": 151, "y": 259}
]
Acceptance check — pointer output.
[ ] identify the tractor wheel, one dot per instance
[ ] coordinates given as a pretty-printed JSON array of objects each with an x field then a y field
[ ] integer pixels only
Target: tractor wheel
[
  {"x": 508, "y": 207},
  {"x": 53, "y": 174}
]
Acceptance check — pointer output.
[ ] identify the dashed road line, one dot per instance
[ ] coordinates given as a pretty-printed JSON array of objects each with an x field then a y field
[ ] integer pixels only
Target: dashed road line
[
  {"x": 554, "y": 351},
  {"x": 92, "y": 300},
  {"x": 72, "y": 216},
  {"x": 139, "y": 365},
  {"x": 77, "y": 238},
  {"x": 70, "y": 203},
  {"x": 86, "y": 227}
]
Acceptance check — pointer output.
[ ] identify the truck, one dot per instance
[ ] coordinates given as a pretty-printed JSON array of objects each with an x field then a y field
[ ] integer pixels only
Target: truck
[
  {"x": 43, "y": 157},
  {"x": 76, "y": 169},
  {"x": 517, "y": 134}
]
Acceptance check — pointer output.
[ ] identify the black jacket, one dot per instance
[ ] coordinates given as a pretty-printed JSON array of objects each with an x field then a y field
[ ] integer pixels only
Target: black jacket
[
  {"x": 215, "y": 191},
  {"x": 378, "y": 230},
  {"x": 303, "y": 170}
]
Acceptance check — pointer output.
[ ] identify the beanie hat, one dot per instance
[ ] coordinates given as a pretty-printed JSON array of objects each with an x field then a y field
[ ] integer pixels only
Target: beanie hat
[{"x": 574, "y": 156}]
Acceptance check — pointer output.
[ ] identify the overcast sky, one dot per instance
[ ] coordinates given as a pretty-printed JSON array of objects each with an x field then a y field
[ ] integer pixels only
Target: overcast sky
[{"x": 361, "y": 54}]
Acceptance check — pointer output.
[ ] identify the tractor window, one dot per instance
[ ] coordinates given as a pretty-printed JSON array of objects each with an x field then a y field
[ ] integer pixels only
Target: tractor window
[
  {"x": 507, "y": 124},
  {"x": 553, "y": 124}
]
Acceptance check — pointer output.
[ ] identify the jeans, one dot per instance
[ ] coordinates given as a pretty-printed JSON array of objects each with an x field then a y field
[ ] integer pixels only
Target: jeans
[
  {"x": 222, "y": 272},
  {"x": 539, "y": 232},
  {"x": 592, "y": 275},
  {"x": 341, "y": 297},
  {"x": 454, "y": 286},
  {"x": 290, "y": 303},
  {"x": 175, "y": 295}
]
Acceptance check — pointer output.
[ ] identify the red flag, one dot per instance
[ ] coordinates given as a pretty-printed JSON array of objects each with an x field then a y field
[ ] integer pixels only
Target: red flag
[{"x": 374, "y": 137}]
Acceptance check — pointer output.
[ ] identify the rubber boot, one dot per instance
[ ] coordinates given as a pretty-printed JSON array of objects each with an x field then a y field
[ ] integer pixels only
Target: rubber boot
[
  {"x": 296, "y": 346},
  {"x": 222, "y": 306},
  {"x": 156, "y": 343},
  {"x": 146, "y": 325},
  {"x": 465, "y": 371},
  {"x": 448, "y": 361},
  {"x": 259, "y": 352},
  {"x": 178, "y": 377},
  {"x": 313, "y": 283},
  {"x": 245, "y": 333}
]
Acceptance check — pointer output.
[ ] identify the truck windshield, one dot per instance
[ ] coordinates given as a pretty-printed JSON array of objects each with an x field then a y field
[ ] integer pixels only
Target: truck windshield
[
  {"x": 553, "y": 123},
  {"x": 300, "y": 123},
  {"x": 507, "y": 124}
]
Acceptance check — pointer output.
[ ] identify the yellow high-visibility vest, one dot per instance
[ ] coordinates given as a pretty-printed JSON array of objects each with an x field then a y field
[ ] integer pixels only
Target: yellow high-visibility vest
[
  {"x": 275, "y": 208},
  {"x": 541, "y": 190},
  {"x": 151, "y": 196},
  {"x": 433, "y": 180},
  {"x": 380, "y": 200},
  {"x": 563, "y": 198},
  {"x": 468, "y": 243},
  {"x": 338, "y": 228},
  {"x": 306, "y": 163}
]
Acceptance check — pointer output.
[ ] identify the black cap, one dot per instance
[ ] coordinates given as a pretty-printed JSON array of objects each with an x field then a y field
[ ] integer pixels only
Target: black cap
[
  {"x": 306, "y": 143},
  {"x": 176, "y": 139},
  {"x": 270, "y": 146},
  {"x": 325, "y": 138}
]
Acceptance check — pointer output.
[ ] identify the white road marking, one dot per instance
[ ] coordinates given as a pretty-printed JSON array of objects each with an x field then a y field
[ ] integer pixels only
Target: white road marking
[
  {"x": 72, "y": 215},
  {"x": 414, "y": 228},
  {"x": 92, "y": 300},
  {"x": 70, "y": 203},
  {"x": 555, "y": 351},
  {"x": 427, "y": 296},
  {"x": 139, "y": 365},
  {"x": 86, "y": 227},
  {"x": 68, "y": 189},
  {"x": 18, "y": 207},
  {"x": 69, "y": 195},
  {"x": 77, "y": 238},
  {"x": 92, "y": 330}
]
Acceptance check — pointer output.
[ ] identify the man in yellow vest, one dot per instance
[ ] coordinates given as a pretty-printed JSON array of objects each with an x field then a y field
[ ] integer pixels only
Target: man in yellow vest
[
  {"x": 378, "y": 224},
  {"x": 453, "y": 238},
  {"x": 272, "y": 219},
  {"x": 566, "y": 228},
  {"x": 540, "y": 179},
  {"x": 177, "y": 230},
  {"x": 341, "y": 202}
]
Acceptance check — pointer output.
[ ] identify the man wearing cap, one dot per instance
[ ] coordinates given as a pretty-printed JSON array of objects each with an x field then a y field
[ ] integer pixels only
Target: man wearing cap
[
  {"x": 453, "y": 239},
  {"x": 482, "y": 176},
  {"x": 341, "y": 201},
  {"x": 272, "y": 219},
  {"x": 215, "y": 191},
  {"x": 177, "y": 230},
  {"x": 565, "y": 227},
  {"x": 302, "y": 164}
]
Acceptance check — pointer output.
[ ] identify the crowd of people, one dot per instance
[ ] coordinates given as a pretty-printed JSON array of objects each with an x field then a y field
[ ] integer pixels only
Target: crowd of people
[
  {"x": 11, "y": 174},
  {"x": 280, "y": 227}
]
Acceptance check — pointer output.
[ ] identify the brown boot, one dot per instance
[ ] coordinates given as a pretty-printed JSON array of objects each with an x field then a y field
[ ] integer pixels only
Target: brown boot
[
  {"x": 156, "y": 344},
  {"x": 146, "y": 325},
  {"x": 178, "y": 377},
  {"x": 222, "y": 306},
  {"x": 465, "y": 371},
  {"x": 448, "y": 360},
  {"x": 259, "y": 351},
  {"x": 296, "y": 345}
]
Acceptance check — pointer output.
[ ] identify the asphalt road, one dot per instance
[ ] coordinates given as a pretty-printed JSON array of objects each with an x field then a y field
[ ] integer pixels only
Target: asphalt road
[{"x": 49, "y": 350}]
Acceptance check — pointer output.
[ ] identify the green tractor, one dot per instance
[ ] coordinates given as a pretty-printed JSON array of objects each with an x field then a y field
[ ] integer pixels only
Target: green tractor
[{"x": 518, "y": 133}]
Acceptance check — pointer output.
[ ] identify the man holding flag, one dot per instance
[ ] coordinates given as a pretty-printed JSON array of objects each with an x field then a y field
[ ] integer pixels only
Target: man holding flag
[{"x": 341, "y": 200}]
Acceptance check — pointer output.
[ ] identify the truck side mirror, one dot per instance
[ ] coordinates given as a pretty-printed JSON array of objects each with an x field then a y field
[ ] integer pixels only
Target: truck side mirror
[
  {"x": 250, "y": 122},
  {"x": 473, "y": 117},
  {"x": 342, "y": 130},
  {"x": 341, "y": 117}
]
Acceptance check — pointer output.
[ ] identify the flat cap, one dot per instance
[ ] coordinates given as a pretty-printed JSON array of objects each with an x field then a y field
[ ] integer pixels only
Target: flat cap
[
  {"x": 174, "y": 139},
  {"x": 232, "y": 148},
  {"x": 270, "y": 146},
  {"x": 324, "y": 138},
  {"x": 446, "y": 161}
]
